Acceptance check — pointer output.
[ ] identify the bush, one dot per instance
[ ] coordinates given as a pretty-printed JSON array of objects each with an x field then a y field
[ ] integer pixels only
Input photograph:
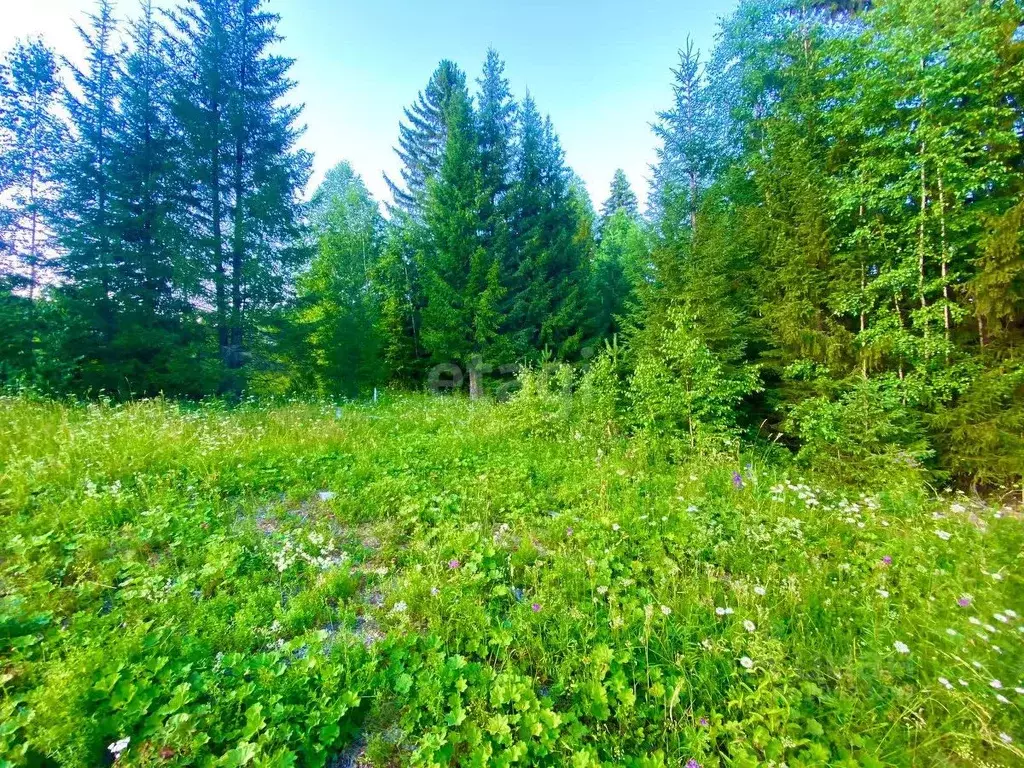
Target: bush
[{"x": 864, "y": 432}]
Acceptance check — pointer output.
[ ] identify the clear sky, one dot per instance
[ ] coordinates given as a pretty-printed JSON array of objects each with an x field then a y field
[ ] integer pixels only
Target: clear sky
[{"x": 600, "y": 68}]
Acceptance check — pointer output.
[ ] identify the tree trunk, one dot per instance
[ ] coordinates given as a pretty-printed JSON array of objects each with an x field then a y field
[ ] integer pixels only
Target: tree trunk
[{"x": 476, "y": 382}]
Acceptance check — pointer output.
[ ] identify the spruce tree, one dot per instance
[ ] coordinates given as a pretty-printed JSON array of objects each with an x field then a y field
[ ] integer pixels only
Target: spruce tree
[
  {"x": 461, "y": 280},
  {"x": 92, "y": 266},
  {"x": 495, "y": 117},
  {"x": 242, "y": 152},
  {"x": 31, "y": 137},
  {"x": 423, "y": 137}
]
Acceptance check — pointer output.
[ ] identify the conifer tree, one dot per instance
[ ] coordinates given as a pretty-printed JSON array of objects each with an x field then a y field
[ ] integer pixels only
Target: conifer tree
[
  {"x": 31, "y": 136},
  {"x": 461, "y": 280},
  {"x": 423, "y": 137},
  {"x": 91, "y": 265},
  {"x": 620, "y": 198},
  {"x": 495, "y": 116}
]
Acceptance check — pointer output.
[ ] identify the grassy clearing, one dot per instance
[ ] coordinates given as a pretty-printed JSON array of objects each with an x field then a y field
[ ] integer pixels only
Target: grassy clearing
[{"x": 427, "y": 583}]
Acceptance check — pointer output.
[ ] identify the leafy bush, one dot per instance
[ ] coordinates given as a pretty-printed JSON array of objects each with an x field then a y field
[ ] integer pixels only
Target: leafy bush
[{"x": 865, "y": 432}]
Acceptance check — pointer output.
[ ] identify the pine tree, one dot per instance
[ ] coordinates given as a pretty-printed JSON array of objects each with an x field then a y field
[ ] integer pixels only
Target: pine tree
[
  {"x": 91, "y": 265},
  {"x": 31, "y": 135},
  {"x": 424, "y": 136},
  {"x": 147, "y": 211},
  {"x": 495, "y": 117},
  {"x": 545, "y": 270},
  {"x": 620, "y": 198},
  {"x": 242, "y": 151},
  {"x": 462, "y": 284}
]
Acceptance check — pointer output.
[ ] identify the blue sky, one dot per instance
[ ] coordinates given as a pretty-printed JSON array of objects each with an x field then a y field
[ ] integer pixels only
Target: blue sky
[{"x": 600, "y": 68}]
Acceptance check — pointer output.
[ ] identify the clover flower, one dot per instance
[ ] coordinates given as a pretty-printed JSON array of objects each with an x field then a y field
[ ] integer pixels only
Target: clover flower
[
  {"x": 666, "y": 610},
  {"x": 901, "y": 647},
  {"x": 535, "y": 607},
  {"x": 887, "y": 560},
  {"x": 453, "y": 564},
  {"x": 737, "y": 480},
  {"x": 749, "y": 625},
  {"x": 746, "y": 662},
  {"x": 964, "y": 601}
]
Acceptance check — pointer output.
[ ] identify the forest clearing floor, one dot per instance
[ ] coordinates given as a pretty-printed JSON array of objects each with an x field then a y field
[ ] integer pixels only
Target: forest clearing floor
[{"x": 431, "y": 582}]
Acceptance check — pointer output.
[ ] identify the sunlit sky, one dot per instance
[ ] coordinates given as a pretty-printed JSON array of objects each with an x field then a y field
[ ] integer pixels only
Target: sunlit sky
[{"x": 600, "y": 68}]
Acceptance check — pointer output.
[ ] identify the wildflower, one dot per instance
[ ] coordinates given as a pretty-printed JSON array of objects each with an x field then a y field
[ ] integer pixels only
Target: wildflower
[
  {"x": 704, "y": 722},
  {"x": 759, "y": 591},
  {"x": 946, "y": 684},
  {"x": 996, "y": 684},
  {"x": 434, "y": 591},
  {"x": 1001, "y": 618},
  {"x": 746, "y": 662},
  {"x": 691, "y": 763},
  {"x": 957, "y": 509},
  {"x": 720, "y": 611},
  {"x": 989, "y": 628},
  {"x": 535, "y": 607},
  {"x": 1019, "y": 690},
  {"x": 666, "y": 610},
  {"x": 951, "y": 632},
  {"x": 399, "y": 607},
  {"x": 887, "y": 560},
  {"x": 964, "y": 601},
  {"x": 962, "y": 682},
  {"x": 615, "y": 526},
  {"x": 119, "y": 746},
  {"x": 944, "y": 535},
  {"x": 1011, "y": 614},
  {"x": 883, "y": 592},
  {"x": 1005, "y": 738},
  {"x": 453, "y": 564},
  {"x": 901, "y": 647},
  {"x": 602, "y": 590},
  {"x": 737, "y": 480},
  {"x": 1002, "y": 699},
  {"x": 975, "y": 621},
  {"x": 569, "y": 531},
  {"x": 749, "y": 625}
]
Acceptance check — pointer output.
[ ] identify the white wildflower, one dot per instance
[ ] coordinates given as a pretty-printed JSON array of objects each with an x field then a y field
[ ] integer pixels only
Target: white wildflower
[
  {"x": 666, "y": 610},
  {"x": 883, "y": 593},
  {"x": 399, "y": 607},
  {"x": 749, "y": 625},
  {"x": 996, "y": 684},
  {"x": 746, "y": 662},
  {"x": 944, "y": 535},
  {"x": 946, "y": 684},
  {"x": 119, "y": 746},
  {"x": 1005, "y": 738},
  {"x": 901, "y": 647},
  {"x": 759, "y": 591}
]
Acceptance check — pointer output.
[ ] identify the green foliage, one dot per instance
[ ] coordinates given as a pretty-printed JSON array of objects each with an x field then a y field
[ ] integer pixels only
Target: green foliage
[
  {"x": 481, "y": 588},
  {"x": 682, "y": 389},
  {"x": 867, "y": 430}
]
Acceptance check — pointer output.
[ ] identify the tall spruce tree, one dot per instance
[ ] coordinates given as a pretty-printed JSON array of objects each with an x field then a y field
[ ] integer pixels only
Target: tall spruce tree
[
  {"x": 423, "y": 137},
  {"x": 31, "y": 137},
  {"x": 462, "y": 285},
  {"x": 242, "y": 152},
  {"x": 495, "y": 117},
  {"x": 91, "y": 266}
]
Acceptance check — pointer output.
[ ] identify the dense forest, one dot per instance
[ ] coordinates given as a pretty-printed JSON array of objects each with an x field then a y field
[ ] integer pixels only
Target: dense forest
[{"x": 832, "y": 256}]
